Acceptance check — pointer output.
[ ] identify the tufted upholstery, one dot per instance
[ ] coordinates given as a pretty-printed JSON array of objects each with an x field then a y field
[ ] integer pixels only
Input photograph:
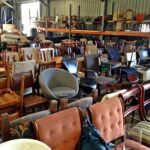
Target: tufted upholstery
[
  {"x": 60, "y": 131},
  {"x": 108, "y": 118}
]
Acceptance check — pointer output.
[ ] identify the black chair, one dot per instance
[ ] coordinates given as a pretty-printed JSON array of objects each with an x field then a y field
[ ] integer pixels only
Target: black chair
[
  {"x": 86, "y": 84},
  {"x": 114, "y": 55},
  {"x": 93, "y": 70}
]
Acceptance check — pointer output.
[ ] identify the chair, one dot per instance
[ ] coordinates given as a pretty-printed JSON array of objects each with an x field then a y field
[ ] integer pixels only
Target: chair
[
  {"x": 86, "y": 84},
  {"x": 143, "y": 58},
  {"x": 41, "y": 67},
  {"x": 92, "y": 65},
  {"x": 5, "y": 82},
  {"x": 30, "y": 53},
  {"x": 31, "y": 101},
  {"x": 57, "y": 83},
  {"x": 81, "y": 103},
  {"x": 58, "y": 61},
  {"x": 15, "y": 127},
  {"x": 145, "y": 101},
  {"x": 46, "y": 54},
  {"x": 114, "y": 55},
  {"x": 12, "y": 57},
  {"x": 67, "y": 135},
  {"x": 137, "y": 105},
  {"x": 24, "y": 66},
  {"x": 108, "y": 118}
]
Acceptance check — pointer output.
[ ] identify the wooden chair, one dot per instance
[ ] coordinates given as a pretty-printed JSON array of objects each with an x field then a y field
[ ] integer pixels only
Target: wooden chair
[
  {"x": 30, "y": 53},
  {"x": 11, "y": 125},
  {"x": 30, "y": 100},
  {"x": 5, "y": 82},
  {"x": 41, "y": 67},
  {"x": 10, "y": 100},
  {"x": 58, "y": 61},
  {"x": 145, "y": 101},
  {"x": 141, "y": 121}
]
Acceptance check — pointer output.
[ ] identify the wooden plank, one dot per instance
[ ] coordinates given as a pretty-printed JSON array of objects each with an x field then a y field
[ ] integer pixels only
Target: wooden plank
[{"x": 94, "y": 32}]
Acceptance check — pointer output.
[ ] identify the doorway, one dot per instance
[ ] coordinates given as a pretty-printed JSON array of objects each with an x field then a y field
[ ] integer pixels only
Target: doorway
[{"x": 30, "y": 12}]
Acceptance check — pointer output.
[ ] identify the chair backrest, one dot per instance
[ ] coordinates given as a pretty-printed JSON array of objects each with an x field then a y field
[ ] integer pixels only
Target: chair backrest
[
  {"x": 54, "y": 77},
  {"x": 92, "y": 62},
  {"x": 12, "y": 57},
  {"x": 143, "y": 55},
  {"x": 91, "y": 49},
  {"x": 67, "y": 135},
  {"x": 145, "y": 100},
  {"x": 111, "y": 95},
  {"x": 28, "y": 81},
  {"x": 114, "y": 54},
  {"x": 58, "y": 61},
  {"x": 30, "y": 53},
  {"x": 24, "y": 66},
  {"x": 46, "y": 54},
  {"x": 5, "y": 82},
  {"x": 131, "y": 97},
  {"x": 14, "y": 126},
  {"x": 46, "y": 65},
  {"x": 70, "y": 65},
  {"x": 108, "y": 118},
  {"x": 131, "y": 59}
]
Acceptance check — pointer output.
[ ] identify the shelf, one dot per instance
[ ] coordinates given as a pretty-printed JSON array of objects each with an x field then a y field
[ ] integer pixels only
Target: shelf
[{"x": 93, "y": 32}]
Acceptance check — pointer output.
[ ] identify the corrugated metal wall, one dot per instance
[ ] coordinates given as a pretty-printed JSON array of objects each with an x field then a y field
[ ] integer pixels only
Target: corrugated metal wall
[{"x": 94, "y": 7}]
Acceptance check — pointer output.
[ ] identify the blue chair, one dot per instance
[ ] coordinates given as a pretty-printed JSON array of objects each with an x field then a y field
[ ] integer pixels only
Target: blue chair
[{"x": 114, "y": 55}]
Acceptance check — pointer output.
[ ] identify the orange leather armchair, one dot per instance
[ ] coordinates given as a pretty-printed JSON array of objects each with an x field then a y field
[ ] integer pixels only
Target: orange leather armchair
[
  {"x": 108, "y": 117},
  {"x": 60, "y": 131}
]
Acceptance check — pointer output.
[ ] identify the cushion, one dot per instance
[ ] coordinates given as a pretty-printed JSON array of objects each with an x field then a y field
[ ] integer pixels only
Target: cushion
[
  {"x": 145, "y": 126},
  {"x": 111, "y": 95},
  {"x": 81, "y": 103},
  {"x": 63, "y": 91},
  {"x": 22, "y": 127},
  {"x": 103, "y": 80}
]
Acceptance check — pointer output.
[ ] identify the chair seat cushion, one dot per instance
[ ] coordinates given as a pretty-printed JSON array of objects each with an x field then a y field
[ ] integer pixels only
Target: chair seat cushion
[
  {"x": 128, "y": 71},
  {"x": 103, "y": 80},
  {"x": 63, "y": 91},
  {"x": 145, "y": 126}
]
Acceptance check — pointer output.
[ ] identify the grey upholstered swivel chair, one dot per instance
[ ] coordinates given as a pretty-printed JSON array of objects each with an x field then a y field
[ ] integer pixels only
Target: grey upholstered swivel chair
[{"x": 57, "y": 83}]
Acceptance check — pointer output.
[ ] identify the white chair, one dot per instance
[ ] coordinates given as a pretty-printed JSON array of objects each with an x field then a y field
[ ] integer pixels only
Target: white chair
[
  {"x": 30, "y": 53},
  {"x": 46, "y": 54},
  {"x": 24, "y": 66},
  {"x": 12, "y": 57}
]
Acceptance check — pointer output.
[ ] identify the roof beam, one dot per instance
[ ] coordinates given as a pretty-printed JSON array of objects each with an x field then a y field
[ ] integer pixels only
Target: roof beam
[
  {"x": 42, "y": 2},
  {"x": 5, "y": 2}
]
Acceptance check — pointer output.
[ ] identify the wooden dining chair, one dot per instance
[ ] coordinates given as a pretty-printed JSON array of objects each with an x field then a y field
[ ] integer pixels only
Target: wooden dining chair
[{"x": 30, "y": 100}]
